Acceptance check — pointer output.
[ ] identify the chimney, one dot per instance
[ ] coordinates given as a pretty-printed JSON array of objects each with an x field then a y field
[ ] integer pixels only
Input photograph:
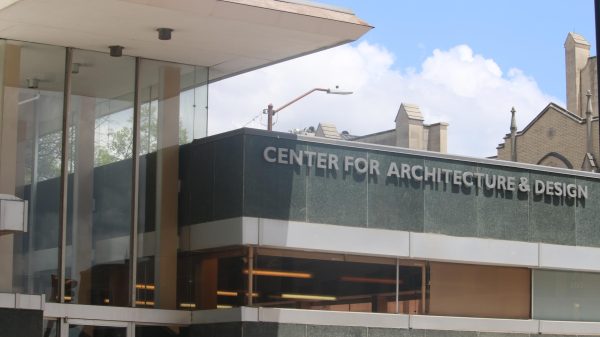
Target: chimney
[
  {"x": 438, "y": 137},
  {"x": 513, "y": 135},
  {"x": 577, "y": 52}
]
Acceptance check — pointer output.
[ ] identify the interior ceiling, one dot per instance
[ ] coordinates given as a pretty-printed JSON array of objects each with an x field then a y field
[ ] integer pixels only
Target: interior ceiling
[{"x": 229, "y": 36}]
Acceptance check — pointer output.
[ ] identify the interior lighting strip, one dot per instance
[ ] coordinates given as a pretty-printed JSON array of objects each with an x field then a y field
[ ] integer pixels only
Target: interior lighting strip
[
  {"x": 279, "y": 273},
  {"x": 308, "y": 297}
]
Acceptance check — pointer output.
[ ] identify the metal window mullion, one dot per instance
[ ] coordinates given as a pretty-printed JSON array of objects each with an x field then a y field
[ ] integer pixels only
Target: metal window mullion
[
  {"x": 64, "y": 176},
  {"x": 133, "y": 239},
  {"x": 397, "y": 285}
]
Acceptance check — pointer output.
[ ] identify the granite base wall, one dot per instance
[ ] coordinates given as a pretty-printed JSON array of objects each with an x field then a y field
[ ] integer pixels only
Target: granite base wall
[{"x": 21, "y": 323}]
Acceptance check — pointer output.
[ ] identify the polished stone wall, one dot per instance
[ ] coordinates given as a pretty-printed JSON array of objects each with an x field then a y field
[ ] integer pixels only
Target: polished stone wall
[
  {"x": 21, "y": 323},
  {"x": 226, "y": 176}
]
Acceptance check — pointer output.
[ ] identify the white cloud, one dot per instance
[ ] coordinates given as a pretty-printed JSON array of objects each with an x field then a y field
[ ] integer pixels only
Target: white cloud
[{"x": 457, "y": 86}]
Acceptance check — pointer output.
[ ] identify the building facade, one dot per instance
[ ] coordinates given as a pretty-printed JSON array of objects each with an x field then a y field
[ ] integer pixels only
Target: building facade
[
  {"x": 562, "y": 137},
  {"x": 410, "y": 132},
  {"x": 138, "y": 225}
]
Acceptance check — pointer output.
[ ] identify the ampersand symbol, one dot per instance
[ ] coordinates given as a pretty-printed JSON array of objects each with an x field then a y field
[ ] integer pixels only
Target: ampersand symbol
[{"x": 523, "y": 184}]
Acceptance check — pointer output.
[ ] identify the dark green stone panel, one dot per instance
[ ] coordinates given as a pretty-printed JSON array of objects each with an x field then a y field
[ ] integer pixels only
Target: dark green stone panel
[
  {"x": 273, "y": 190},
  {"x": 395, "y": 203},
  {"x": 501, "y": 334},
  {"x": 266, "y": 329},
  {"x": 233, "y": 329},
  {"x": 21, "y": 323},
  {"x": 450, "y": 209},
  {"x": 334, "y": 196},
  {"x": 552, "y": 218},
  {"x": 335, "y": 331},
  {"x": 587, "y": 215},
  {"x": 228, "y": 173},
  {"x": 388, "y": 332},
  {"x": 198, "y": 193},
  {"x": 501, "y": 214}
]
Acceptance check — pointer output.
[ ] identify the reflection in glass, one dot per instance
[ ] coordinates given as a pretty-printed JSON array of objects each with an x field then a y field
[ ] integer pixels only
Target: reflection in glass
[
  {"x": 344, "y": 284},
  {"x": 99, "y": 211},
  {"x": 172, "y": 112},
  {"x": 50, "y": 328},
  {"x": 33, "y": 108},
  {"x": 212, "y": 280}
]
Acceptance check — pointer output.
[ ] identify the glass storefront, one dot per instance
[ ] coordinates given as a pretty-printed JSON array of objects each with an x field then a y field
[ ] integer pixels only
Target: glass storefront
[
  {"x": 263, "y": 277},
  {"x": 100, "y": 185},
  {"x": 172, "y": 109},
  {"x": 33, "y": 102}
]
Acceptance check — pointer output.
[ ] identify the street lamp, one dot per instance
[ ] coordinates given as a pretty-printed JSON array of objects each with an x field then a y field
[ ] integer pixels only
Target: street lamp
[{"x": 271, "y": 112}]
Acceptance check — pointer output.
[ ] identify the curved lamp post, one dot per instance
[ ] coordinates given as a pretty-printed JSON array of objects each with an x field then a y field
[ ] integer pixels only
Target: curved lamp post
[{"x": 271, "y": 112}]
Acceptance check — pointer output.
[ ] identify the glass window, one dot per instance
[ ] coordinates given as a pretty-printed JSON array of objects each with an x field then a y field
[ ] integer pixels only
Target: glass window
[
  {"x": 479, "y": 291},
  {"x": 305, "y": 280},
  {"x": 212, "y": 280},
  {"x": 330, "y": 282},
  {"x": 172, "y": 112},
  {"x": 32, "y": 134},
  {"x": 566, "y": 295},
  {"x": 51, "y": 328},
  {"x": 99, "y": 203}
]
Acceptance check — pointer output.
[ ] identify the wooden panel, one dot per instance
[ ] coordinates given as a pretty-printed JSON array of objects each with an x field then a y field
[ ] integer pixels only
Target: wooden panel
[{"x": 479, "y": 291}]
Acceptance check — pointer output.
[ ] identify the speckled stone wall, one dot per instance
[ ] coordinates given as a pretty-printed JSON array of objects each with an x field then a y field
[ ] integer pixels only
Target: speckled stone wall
[
  {"x": 20, "y": 323},
  {"x": 226, "y": 176}
]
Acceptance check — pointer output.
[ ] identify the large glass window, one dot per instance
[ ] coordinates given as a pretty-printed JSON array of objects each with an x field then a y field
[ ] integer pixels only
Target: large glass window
[
  {"x": 31, "y": 157},
  {"x": 172, "y": 112},
  {"x": 333, "y": 282},
  {"x": 566, "y": 295},
  {"x": 290, "y": 279},
  {"x": 213, "y": 280},
  {"x": 100, "y": 184}
]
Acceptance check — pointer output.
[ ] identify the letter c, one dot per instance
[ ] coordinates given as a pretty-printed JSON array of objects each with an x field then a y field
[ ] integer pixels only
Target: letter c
[{"x": 266, "y": 152}]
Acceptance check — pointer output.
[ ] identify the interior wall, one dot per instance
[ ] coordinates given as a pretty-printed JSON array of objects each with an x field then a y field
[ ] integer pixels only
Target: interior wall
[{"x": 479, "y": 291}]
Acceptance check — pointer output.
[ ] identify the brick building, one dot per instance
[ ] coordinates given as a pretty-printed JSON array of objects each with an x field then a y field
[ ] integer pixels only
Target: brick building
[{"x": 557, "y": 136}]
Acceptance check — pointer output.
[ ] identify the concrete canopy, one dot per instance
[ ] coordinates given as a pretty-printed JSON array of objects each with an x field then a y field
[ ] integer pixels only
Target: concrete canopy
[{"x": 229, "y": 36}]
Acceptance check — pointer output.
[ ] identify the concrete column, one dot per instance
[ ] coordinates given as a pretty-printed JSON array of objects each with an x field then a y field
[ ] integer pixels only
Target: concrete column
[
  {"x": 9, "y": 117},
  {"x": 167, "y": 189}
]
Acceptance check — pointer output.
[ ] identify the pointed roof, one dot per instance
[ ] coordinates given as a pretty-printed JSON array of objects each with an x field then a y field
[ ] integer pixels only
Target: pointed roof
[
  {"x": 412, "y": 111},
  {"x": 589, "y": 163},
  {"x": 577, "y": 39},
  {"x": 327, "y": 130}
]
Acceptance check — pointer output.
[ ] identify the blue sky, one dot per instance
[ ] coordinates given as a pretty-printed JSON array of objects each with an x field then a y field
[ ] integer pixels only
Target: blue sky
[
  {"x": 464, "y": 62},
  {"x": 523, "y": 34}
]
